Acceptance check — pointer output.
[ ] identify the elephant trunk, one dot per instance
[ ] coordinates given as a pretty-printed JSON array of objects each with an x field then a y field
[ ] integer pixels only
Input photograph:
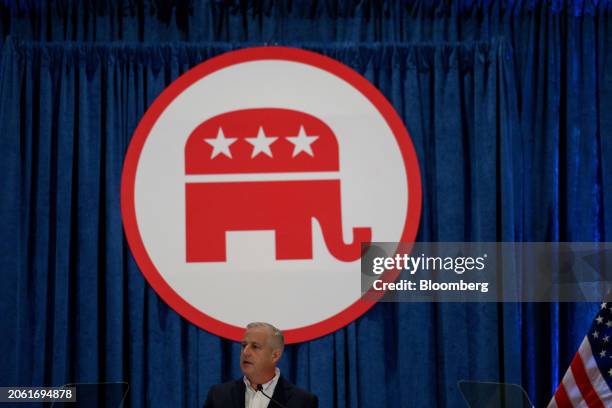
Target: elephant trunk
[{"x": 332, "y": 234}]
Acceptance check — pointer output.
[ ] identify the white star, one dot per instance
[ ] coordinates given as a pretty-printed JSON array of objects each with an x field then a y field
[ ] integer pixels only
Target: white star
[
  {"x": 595, "y": 334},
  {"x": 221, "y": 144},
  {"x": 610, "y": 372},
  {"x": 609, "y": 323},
  {"x": 603, "y": 305},
  {"x": 302, "y": 142},
  {"x": 261, "y": 143},
  {"x": 599, "y": 319},
  {"x": 603, "y": 353},
  {"x": 606, "y": 339}
]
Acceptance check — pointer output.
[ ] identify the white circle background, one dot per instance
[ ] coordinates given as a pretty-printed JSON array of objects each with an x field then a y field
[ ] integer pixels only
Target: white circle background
[{"x": 252, "y": 285}]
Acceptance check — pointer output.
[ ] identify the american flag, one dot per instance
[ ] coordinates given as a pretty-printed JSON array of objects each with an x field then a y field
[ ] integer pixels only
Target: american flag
[{"x": 588, "y": 381}]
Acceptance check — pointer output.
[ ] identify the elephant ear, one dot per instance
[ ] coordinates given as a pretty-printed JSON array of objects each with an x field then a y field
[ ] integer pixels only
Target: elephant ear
[{"x": 266, "y": 140}]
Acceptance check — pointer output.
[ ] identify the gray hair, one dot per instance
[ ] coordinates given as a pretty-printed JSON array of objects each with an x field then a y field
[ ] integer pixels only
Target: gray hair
[{"x": 278, "y": 340}]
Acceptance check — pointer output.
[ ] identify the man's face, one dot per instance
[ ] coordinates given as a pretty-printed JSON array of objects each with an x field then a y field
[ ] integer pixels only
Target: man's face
[{"x": 257, "y": 357}]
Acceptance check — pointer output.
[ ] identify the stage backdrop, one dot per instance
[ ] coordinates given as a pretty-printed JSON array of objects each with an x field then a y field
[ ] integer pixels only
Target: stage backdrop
[{"x": 509, "y": 106}]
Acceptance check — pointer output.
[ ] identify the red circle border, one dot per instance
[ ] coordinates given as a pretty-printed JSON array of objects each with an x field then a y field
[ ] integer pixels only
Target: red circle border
[{"x": 128, "y": 212}]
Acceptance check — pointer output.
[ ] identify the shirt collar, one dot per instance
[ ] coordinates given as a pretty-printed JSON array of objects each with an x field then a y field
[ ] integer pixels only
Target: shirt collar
[{"x": 265, "y": 386}]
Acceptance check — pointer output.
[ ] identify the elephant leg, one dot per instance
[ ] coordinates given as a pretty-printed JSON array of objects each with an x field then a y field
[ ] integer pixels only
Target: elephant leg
[
  {"x": 206, "y": 245},
  {"x": 294, "y": 241},
  {"x": 205, "y": 231}
]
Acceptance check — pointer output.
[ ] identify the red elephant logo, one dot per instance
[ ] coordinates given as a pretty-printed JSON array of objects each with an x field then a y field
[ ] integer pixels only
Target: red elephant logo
[{"x": 284, "y": 168}]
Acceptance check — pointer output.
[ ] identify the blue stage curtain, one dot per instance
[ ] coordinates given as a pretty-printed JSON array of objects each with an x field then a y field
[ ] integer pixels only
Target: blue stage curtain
[{"x": 509, "y": 110}]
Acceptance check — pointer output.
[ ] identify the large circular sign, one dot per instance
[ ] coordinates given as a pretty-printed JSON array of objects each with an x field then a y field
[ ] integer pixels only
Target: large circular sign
[{"x": 251, "y": 183}]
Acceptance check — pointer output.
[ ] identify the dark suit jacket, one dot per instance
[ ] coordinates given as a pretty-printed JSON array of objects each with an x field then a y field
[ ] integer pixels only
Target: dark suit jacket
[{"x": 231, "y": 395}]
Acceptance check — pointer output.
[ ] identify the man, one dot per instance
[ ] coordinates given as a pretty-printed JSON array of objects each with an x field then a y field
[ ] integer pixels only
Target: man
[{"x": 262, "y": 347}]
